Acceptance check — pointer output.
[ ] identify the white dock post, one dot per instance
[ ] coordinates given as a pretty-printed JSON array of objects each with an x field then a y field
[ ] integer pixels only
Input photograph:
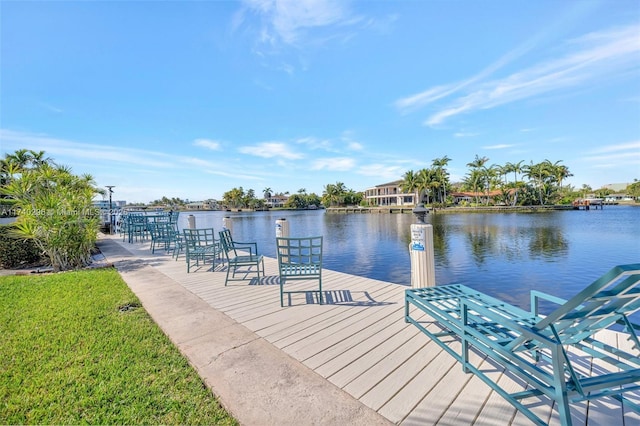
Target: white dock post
[
  {"x": 191, "y": 221},
  {"x": 423, "y": 269},
  {"x": 227, "y": 224},
  {"x": 282, "y": 228}
]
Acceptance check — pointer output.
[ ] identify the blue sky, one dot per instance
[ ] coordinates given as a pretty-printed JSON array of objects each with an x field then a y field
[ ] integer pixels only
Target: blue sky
[{"x": 190, "y": 99}]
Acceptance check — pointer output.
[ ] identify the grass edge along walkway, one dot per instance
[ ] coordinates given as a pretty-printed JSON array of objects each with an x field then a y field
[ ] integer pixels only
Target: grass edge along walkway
[{"x": 79, "y": 348}]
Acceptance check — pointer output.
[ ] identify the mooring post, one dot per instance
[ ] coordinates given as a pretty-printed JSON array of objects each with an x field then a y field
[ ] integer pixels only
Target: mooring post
[
  {"x": 227, "y": 224},
  {"x": 282, "y": 228},
  {"x": 423, "y": 269}
]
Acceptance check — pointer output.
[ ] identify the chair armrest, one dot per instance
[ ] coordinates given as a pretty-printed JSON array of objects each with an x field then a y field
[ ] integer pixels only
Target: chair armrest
[
  {"x": 537, "y": 295},
  {"x": 252, "y": 247}
]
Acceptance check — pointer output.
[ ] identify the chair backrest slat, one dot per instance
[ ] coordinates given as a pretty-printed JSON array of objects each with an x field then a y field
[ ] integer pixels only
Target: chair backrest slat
[{"x": 602, "y": 292}]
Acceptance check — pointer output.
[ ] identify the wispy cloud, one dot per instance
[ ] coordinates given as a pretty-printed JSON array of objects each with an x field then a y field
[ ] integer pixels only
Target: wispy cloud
[
  {"x": 208, "y": 143},
  {"x": 615, "y": 155},
  {"x": 289, "y": 21},
  {"x": 50, "y": 108},
  {"x": 101, "y": 153},
  {"x": 588, "y": 60},
  {"x": 499, "y": 146},
  {"x": 140, "y": 159},
  {"x": 348, "y": 140},
  {"x": 465, "y": 134},
  {"x": 384, "y": 171},
  {"x": 316, "y": 143},
  {"x": 413, "y": 102},
  {"x": 629, "y": 146},
  {"x": 333, "y": 164},
  {"x": 271, "y": 150}
]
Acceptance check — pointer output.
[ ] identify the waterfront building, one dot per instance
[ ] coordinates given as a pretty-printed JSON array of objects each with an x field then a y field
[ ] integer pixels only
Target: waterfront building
[
  {"x": 389, "y": 194},
  {"x": 276, "y": 201},
  {"x": 209, "y": 204}
]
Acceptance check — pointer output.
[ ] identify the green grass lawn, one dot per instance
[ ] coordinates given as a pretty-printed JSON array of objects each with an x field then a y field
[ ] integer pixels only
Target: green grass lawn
[{"x": 71, "y": 354}]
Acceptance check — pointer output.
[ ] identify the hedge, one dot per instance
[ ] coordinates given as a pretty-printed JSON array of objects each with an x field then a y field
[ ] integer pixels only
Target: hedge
[{"x": 16, "y": 252}]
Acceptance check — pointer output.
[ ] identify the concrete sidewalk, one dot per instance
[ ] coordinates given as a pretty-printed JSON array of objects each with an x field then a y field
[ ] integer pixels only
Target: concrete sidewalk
[{"x": 255, "y": 381}]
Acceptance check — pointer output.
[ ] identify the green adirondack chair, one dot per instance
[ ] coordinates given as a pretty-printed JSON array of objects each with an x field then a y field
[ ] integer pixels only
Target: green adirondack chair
[{"x": 552, "y": 354}]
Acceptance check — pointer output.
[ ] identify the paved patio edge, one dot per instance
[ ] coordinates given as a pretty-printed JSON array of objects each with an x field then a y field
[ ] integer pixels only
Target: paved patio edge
[{"x": 255, "y": 381}]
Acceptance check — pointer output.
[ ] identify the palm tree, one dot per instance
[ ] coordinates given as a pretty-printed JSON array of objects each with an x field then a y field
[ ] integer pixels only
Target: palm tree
[
  {"x": 560, "y": 172},
  {"x": 443, "y": 176},
  {"x": 539, "y": 174},
  {"x": 476, "y": 165},
  {"x": 267, "y": 192},
  {"x": 425, "y": 179},
  {"x": 410, "y": 184},
  {"x": 334, "y": 194}
]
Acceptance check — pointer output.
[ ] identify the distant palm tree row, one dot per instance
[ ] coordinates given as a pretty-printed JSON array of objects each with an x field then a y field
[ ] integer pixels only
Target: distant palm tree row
[{"x": 517, "y": 183}]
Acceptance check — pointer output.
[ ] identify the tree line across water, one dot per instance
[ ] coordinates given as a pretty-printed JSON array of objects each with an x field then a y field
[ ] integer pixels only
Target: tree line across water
[
  {"x": 55, "y": 207},
  {"x": 511, "y": 184}
]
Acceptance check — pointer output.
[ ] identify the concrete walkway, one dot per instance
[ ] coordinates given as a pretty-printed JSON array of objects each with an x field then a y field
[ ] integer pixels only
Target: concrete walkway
[{"x": 256, "y": 382}]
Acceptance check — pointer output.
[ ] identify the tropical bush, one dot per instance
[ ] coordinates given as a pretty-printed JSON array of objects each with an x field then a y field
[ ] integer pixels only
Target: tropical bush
[{"x": 55, "y": 211}]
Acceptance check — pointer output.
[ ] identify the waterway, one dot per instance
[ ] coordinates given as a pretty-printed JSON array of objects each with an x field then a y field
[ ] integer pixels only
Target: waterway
[{"x": 502, "y": 254}]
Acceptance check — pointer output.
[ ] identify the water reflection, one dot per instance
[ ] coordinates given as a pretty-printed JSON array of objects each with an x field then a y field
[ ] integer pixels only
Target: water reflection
[{"x": 549, "y": 243}]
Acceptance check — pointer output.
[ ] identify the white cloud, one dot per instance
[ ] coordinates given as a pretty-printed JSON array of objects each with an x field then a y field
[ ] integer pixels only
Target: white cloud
[
  {"x": 633, "y": 146},
  {"x": 271, "y": 150},
  {"x": 382, "y": 171},
  {"x": 499, "y": 146},
  {"x": 208, "y": 143},
  {"x": 142, "y": 161},
  {"x": 347, "y": 138},
  {"x": 54, "y": 147},
  {"x": 593, "y": 58},
  {"x": 614, "y": 155},
  {"x": 333, "y": 164},
  {"x": 465, "y": 134},
  {"x": 288, "y": 21},
  {"x": 355, "y": 146},
  {"x": 315, "y": 143},
  {"x": 622, "y": 157}
]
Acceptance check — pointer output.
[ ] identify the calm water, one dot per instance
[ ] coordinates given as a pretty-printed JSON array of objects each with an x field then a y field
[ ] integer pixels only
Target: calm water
[{"x": 502, "y": 254}]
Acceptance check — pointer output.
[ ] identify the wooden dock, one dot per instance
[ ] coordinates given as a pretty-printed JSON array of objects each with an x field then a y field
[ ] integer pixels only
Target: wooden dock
[
  {"x": 588, "y": 203},
  {"x": 359, "y": 342}
]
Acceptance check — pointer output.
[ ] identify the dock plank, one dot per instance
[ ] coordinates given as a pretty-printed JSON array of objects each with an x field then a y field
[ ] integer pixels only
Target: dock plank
[{"x": 359, "y": 342}]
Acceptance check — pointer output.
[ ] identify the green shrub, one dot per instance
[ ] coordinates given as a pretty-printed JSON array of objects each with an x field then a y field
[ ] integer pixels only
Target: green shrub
[
  {"x": 17, "y": 252},
  {"x": 56, "y": 212}
]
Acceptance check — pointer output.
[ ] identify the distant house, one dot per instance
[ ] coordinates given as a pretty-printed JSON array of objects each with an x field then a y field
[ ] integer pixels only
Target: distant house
[
  {"x": 209, "y": 204},
  {"x": 195, "y": 205},
  {"x": 389, "y": 194},
  {"x": 615, "y": 198},
  {"x": 471, "y": 196},
  {"x": 276, "y": 201}
]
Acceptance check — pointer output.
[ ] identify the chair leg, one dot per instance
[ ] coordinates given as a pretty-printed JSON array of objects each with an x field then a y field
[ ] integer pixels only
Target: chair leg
[
  {"x": 282, "y": 292},
  {"x": 320, "y": 286},
  {"x": 227, "y": 278}
]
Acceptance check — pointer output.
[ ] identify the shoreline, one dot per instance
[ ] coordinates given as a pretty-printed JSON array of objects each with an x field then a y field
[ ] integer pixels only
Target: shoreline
[{"x": 450, "y": 210}]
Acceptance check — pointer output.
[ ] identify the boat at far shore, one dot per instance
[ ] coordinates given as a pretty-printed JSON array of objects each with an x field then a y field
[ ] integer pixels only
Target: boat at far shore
[{"x": 587, "y": 203}]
